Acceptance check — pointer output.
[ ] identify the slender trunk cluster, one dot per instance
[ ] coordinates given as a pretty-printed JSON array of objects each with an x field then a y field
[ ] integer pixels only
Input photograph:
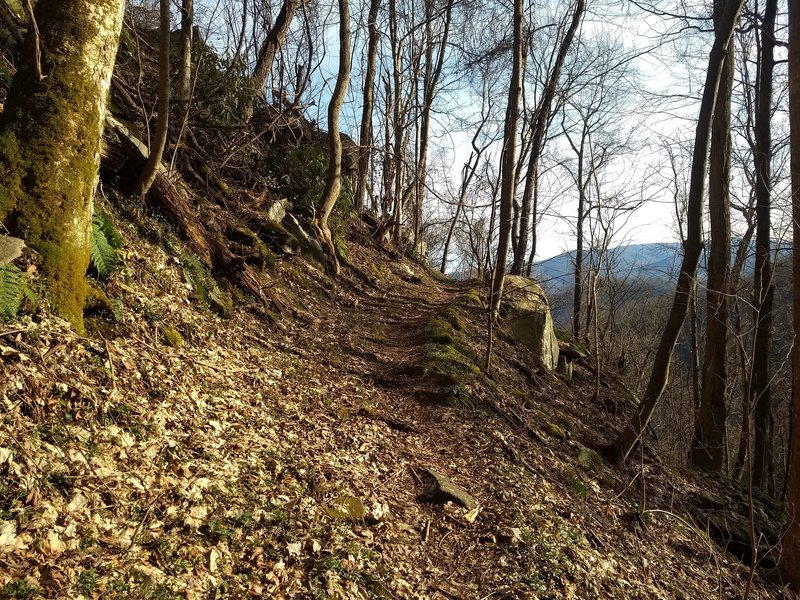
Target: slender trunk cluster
[
  {"x": 659, "y": 375},
  {"x": 790, "y": 556},
  {"x": 541, "y": 122},
  {"x": 709, "y": 442}
]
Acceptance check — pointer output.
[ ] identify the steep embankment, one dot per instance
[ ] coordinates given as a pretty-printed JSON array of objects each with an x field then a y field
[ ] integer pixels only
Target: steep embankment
[{"x": 176, "y": 454}]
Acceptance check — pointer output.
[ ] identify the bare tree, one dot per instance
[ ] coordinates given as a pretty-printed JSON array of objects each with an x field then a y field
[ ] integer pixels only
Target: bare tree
[
  {"x": 508, "y": 163},
  {"x": 159, "y": 140},
  {"x": 790, "y": 557},
  {"x": 333, "y": 181},
  {"x": 763, "y": 290},
  {"x": 266, "y": 55},
  {"x": 187, "y": 35},
  {"x": 365, "y": 139}
]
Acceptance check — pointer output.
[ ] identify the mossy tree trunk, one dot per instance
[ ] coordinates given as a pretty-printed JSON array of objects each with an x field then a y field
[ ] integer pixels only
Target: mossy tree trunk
[
  {"x": 50, "y": 141},
  {"x": 333, "y": 182}
]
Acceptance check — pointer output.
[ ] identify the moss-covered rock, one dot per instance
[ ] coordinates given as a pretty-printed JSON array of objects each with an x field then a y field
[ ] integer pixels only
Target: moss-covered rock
[{"x": 171, "y": 337}]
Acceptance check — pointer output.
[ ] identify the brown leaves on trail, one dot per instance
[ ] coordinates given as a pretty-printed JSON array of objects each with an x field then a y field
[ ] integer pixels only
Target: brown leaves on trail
[{"x": 255, "y": 463}]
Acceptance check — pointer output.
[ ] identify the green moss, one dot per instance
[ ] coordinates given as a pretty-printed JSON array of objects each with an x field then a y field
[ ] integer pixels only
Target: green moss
[
  {"x": 451, "y": 315},
  {"x": 171, "y": 337},
  {"x": 438, "y": 331},
  {"x": 472, "y": 297},
  {"x": 206, "y": 289},
  {"x": 342, "y": 253}
]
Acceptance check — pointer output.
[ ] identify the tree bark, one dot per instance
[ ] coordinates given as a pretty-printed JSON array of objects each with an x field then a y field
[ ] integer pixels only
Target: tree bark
[
  {"x": 760, "y": 392},
  {"x": 709, "y": 442},
  {"x": 790, "y": 555},
  {"x": 333, "y": 182},
  {"x": 50, "y": 141},
  {"x": 159, "y": 141},
  {"x": 538, "y": 138},
  {"x": 266, "y": 56},
  {"x": 187, "y": 32},
  {"x": 365, "y": 139},
  {"x": 659, "y": 375},
  {"x": 509, "y": 159}
]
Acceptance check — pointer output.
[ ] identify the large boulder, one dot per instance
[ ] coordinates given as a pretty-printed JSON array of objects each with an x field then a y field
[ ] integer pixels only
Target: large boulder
[{"x": 528, "y": 313}]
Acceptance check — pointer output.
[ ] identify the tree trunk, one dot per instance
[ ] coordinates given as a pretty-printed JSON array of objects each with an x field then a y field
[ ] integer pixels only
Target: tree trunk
[
  {"x": 333, "y": 182},
  {"x": 185, "y": 72},
  {"x": 50, "y": 141},
  {"x": 760, "y": 393},
  {"x": 266, "y": 56},
  {"x": 790, "y": 556},
  {"x": 659, "y": 375},
  {"x": 708, "y": 444},
  {"x": 509, "y": 159},
  {"x": 159, "y": 140},
  {"x": 433, "y": 71},
  {"x": 538, "y": 138},
  {"x": 365, "y": 139},
  {"x": 577, "y": 284}
]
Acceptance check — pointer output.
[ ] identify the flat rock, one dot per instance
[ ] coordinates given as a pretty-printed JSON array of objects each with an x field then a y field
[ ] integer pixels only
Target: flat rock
[
  {"x": 10, "y": 249},
  {"x": 443, "y": 490}
]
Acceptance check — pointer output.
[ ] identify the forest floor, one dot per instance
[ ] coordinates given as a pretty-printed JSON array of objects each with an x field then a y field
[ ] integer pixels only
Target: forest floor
[{"x": 268, "y": 458}]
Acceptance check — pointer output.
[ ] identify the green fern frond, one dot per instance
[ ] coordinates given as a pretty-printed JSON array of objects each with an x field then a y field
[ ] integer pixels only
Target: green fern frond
[
  {"x": 104, "y": 244},
  {"x": 12, "y": 288}
]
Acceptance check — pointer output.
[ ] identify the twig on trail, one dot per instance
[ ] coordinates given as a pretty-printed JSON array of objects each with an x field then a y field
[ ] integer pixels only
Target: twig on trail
[{"x": 13, "y": 332}]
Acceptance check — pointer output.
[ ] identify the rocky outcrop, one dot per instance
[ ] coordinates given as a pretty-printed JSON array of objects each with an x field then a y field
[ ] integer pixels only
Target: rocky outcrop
[{"x": 528, "y": 313}]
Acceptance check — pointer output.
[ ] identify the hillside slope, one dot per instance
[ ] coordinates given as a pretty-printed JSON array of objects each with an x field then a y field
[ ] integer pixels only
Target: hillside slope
[{"x": 173, "y": 453}]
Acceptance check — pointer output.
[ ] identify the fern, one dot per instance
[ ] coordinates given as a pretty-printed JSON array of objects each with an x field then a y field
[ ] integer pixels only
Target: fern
[
  {"x": 104, "y": 246},
  {"x": 12, "y": 289}
]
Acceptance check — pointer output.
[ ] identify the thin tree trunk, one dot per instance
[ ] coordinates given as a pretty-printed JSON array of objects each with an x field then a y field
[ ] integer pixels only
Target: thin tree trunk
[
  {"x": 708, "y": 444},
  {"x": 538, "y": 139},
  {"x": 433, "y": 71},
  {"x": 760, "y": 393},
  {"x": 333, "y": 182},
  {"x": 159, "y": 141},
  {"x": 790, "y": 555},
  {"x": 659, "y": 375},
  {"x": 577, "y": 285},
  {"x": 266, "y": 55},
  {"x": 365, "y": 139},
  {"x": 187, "y": 32},
  {"x": 509, "y": 159},
  {"x": 50, "y": 141}
]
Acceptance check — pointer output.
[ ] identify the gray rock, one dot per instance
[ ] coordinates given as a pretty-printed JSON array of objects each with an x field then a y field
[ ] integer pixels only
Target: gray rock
[
  {"x": 309, "y": 245},
  {"x": 278, "y": 210},
  {"x": 10, "y": 249},
  {"x": 443, "y": 490},
  {"x": 528, "y": 313}
]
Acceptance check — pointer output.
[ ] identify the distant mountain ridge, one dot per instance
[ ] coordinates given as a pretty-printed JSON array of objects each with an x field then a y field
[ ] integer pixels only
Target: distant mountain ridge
[{"x": 656, "y": 261}]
